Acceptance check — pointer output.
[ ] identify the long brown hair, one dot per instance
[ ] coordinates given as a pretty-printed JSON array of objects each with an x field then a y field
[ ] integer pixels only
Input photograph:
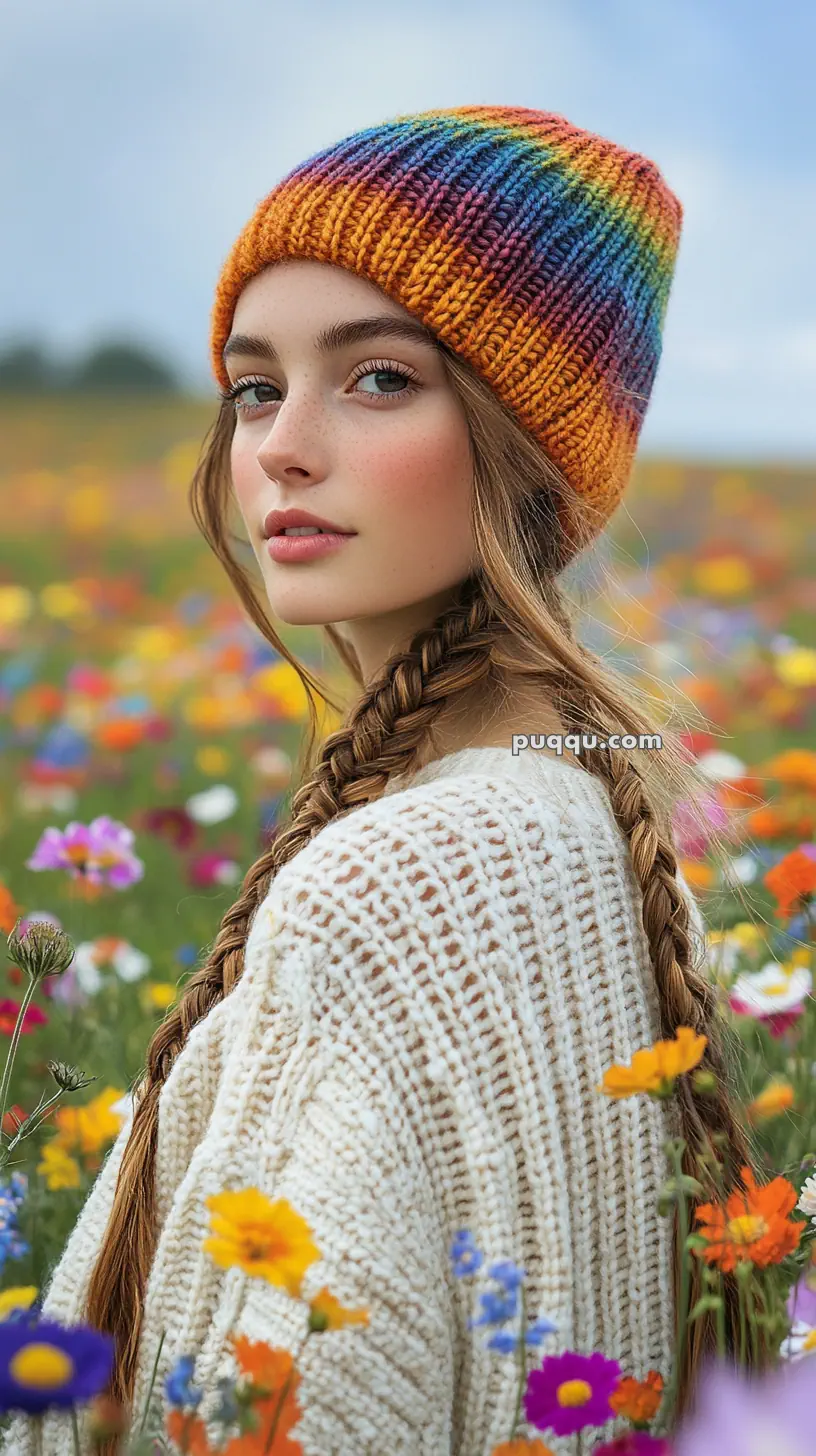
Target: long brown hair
[{"x": 510, "y": 621}]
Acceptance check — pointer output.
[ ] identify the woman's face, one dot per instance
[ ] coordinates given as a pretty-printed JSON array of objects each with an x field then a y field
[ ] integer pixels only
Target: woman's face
[{"x": 369, "y": 437}]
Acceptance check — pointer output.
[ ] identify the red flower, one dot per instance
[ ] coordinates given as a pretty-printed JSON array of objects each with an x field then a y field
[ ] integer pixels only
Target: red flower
[{"x": 10, "y": 1010}]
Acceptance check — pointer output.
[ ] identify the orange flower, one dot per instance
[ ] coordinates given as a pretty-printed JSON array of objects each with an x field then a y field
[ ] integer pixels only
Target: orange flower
[
  {"x": 698, "y": 876},
  {"x": 188, "y": 1432},
  {"x": 10, "y": 911},
  {"x": 655, "y": 1068},
  {"x": 776, "y": 1097},
  {"x": 638, "y": 1400},
  {"x": 795, "y": 766},
  {"x": 766, "y": 823},
  {"x": 271, "y": 1369},
  {"x": 791, "y": 879},
  {"x": 753, "y": 1225},
  {"x": 521, "y": 1447},
  {"x": 327, "y": 1313}
]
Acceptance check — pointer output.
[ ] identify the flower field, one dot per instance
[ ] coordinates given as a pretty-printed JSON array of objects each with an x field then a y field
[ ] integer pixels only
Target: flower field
[{"x": 147, "y": 742}]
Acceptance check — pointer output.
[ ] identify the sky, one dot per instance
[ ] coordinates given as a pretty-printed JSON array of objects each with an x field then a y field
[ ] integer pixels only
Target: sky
[{"x": 138, "y": 137}]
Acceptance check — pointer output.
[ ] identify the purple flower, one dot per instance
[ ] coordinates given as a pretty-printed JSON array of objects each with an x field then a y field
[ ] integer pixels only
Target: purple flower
[
  {"x": 801, "y": 1303},
  {"x": 44, "y": 1365},
  {"x": 734, "y": 1415},
  {"x": 99, "y": 852},
  {"x": 571, "y": 1391}
]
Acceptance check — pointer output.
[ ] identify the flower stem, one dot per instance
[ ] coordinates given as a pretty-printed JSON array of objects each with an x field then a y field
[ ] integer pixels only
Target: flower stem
[
  {"x": 675, "y": 1151},
  {"x": 742, "y": 1321},
  {"x": 721, "y": 1350},
  {"x": 12, "y": 1051},
  {"x": 284, "y": 1391},
  {"x": 752, "y": 1324},
  {"x": 75, "y": 1429},
  {"x": 522, "y": 1364},
  {"x": 152, "y": 1383}
]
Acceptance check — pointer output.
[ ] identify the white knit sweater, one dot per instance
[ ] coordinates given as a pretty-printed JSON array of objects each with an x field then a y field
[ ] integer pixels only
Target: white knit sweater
[{"x": 433, "y": 989}]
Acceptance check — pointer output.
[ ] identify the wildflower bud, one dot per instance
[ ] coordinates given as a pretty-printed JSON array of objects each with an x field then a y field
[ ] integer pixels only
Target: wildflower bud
[
  {"x": 704, "y": 1082},
  {"x": 705, "y": 1303},
  {"x": 70, "y": 1079},
  {"x": 106, "y": 1417},
  {"x": 682, "y": 1185},
  {"x": 318, "y": 1320},
  {"x": 41, "y": 951}
]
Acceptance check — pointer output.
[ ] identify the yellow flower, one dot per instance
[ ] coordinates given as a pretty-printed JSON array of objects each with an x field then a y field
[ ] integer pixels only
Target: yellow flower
[
  {"x": 776, "y": 1097},
  {"x": 797, "y": 668},
  {"x": 280, "y": 682},
  {"x": 16, "y": 605},
  {"x": 655, "y": 1068},
  {"x": 158, "y": 995},
  {"x": 58, "y": 1167},
  {"x": 746, "y": 935},
  {"x": 327, "y": 1313},
  {"x": 212, "y": 759},
  {"x": 723, "y": 576},
  {"x": 20, "y": 1296},
  {"x": 87, "y": 1129},
  {"x": 62, "y": 601},
  {"x": 269, "y": 1240}
]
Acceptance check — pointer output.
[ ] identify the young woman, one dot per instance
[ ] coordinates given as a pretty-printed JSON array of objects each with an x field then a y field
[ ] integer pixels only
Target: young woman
[{"x": 438, "y": 338}]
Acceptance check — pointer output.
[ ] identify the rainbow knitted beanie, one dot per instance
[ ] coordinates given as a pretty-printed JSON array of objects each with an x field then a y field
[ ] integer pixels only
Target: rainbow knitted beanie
[{"x": 541, "y": 253}]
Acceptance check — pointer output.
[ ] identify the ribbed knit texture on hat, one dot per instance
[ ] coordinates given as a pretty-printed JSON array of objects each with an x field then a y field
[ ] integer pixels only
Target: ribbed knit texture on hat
[{"x": 541, "y": 253}]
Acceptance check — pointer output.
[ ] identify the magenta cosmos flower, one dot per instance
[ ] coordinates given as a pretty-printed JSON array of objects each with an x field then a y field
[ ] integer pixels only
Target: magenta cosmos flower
[
  {"x": 100, "y": 852},
  {"x": 571, "y": 1391}
]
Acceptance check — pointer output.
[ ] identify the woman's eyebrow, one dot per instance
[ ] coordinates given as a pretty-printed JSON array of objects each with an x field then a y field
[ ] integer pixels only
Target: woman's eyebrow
[{"x": 337, "y": 336}]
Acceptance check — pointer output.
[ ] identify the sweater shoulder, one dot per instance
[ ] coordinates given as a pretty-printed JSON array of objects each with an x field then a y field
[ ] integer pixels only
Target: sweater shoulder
[
  {"x": 425, "y": 825},
  {"x": 463, "y": 842}
]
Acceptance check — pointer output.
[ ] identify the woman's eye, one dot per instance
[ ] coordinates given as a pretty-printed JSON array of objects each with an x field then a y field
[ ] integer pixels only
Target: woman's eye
[{"x": 380, "y": 374}]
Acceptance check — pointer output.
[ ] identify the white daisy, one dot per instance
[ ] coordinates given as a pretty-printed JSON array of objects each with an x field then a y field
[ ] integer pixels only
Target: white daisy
[
  {"x": 773, "y": 989},
  {"x": 801, "y": 1341}
]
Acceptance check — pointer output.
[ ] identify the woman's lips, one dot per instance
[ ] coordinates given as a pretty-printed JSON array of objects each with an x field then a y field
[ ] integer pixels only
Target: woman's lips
[{"x": 304, "y": 548}]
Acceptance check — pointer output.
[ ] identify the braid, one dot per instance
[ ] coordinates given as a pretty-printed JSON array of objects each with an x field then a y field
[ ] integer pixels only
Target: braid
[
  {"x": 686, "y": 998},
  {"x": 389, "y": 726}
]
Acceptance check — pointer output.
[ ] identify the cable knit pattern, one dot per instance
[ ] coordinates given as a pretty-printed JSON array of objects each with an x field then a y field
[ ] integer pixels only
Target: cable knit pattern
[{"x": 433, "y": 989}]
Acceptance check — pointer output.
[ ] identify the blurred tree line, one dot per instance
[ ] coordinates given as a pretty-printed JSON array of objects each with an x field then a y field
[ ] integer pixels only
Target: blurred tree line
[{"x": 109, "y": 367}]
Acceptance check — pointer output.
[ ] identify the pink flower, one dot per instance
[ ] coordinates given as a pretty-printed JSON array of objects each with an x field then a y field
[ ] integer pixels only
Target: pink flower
[
  {"x": 100, "y": 852},
  {"x": 10, "y": 1010}
]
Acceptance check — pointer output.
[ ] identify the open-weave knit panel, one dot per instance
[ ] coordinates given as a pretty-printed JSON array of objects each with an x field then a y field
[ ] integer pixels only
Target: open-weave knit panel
[{"x": 433, "y": 989}]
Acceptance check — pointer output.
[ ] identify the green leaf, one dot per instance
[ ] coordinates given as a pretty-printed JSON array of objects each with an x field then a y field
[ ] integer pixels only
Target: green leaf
[{"x": 704, "y": 1303}]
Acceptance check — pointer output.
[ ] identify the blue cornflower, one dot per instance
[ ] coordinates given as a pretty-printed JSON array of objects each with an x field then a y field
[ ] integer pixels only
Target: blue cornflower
[
  {"x": 497, "y": 1307},
  {"x": 506, "y": 1342},
  {"x": 467, "y": 1258},
  {"x": 508, "y": 1274},
  {"x": 12, "y": 1246},
  {"x": 177, "y": 1385},
  {"x": 228, "y": 1410}
]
